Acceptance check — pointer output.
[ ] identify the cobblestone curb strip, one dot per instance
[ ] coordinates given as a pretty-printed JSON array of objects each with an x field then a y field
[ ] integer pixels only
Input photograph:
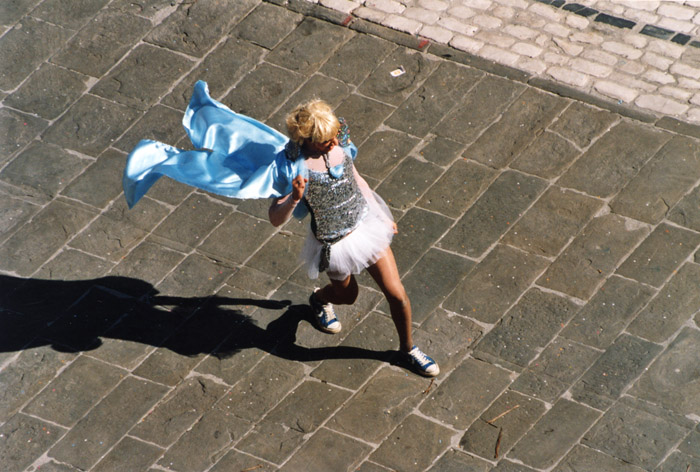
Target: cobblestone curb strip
[{"x": 641, "y": 63}]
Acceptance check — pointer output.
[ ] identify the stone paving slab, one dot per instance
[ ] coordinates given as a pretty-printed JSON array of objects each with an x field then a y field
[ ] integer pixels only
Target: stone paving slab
[{"x": 545, "y": 185}]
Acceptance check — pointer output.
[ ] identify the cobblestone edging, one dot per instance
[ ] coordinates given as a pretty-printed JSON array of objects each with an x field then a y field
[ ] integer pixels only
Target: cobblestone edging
[{"x": 631, "y": 53}]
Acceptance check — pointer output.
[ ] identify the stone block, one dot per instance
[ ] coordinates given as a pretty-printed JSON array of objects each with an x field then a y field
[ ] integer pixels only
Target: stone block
[
  {"x": 75, "y": 391},
  {"x": 91, "y": 125},
  {"x": 267, "y": 25},
  {"x": 113, "y": 234},
  {"x": 148, "y": 262},
  {"x": 43, "y": 169},
  {"x": 254, "y": 281},
  {"x": 143, "y": 77},
  {"x": 649, "y": 438},
  {"x": 27, "y": 375},
  {"x": 364, "y": 115},
  {"x": 261, "y": 388},
  {"x": 300, "y": 413},
  {"x": 226, "y": 65},
  {"x": 612, "y": 372},
  {"x": 11, "y": 13},
  {"x": 350, "y": 62},
  {"x": 366, "y": 348},
  {"x": 131, "y": 454},
  {"x": 454, "y": 405},
  {"x": 70, "y": 15},
  {"x": 593, "y": 255},
  {"x": 278, "y": 256},
  {"x": 659, "y": 255},
  {"x": 613, "y": 160},
  {"x": 235, "y": 460},
  {"x": 178, "y": 411},
  {"x": 48, "y": 92},
  {"x": 687, "y": 212},
  {"x": 418, "y": 231},
  {"x": 97, "y": 432},
  {"x": 555, "y": 369},
  {"x": 458, "y": 188},
  {"x": 441, "y": 151},
  {"x": 97, "y": 186},
  {"x": 503, "y": 423},
  {"x": 678, "y": 460},
  {"x": 236, "y": 227},
  {"x": 547, "y": 156},
  {"x": 177, "y": 230},
  {"x": 28, "y": 248},
  {"x": 495, "y": 284},
  {"x": 558, "y": 430},
  {"x": 25, "y": 439},
  {"x": 672, "y": 380},
  {"x": 103, "y": 42},
  {"x": 400, "y": 449},
  {"x": 552, "y": 222},
  {"x": 382, "y": 86},
  {"x": 73, "y": 265},
  {"x": 383, "y": 152},
  {"x": 673, "y": 306},
  {"x": 479, "y": 108},
  {"x": 661, "y": 183},
  {"x": 205, "y": 443},
  {"x": 583, "y": 458},
  {"x": 261, "y": 91},
  {"x": 498, "y": 208},
  {"x": 18, "y": 130},
  {"x": 456, "y": 461},
  {"x": 170, "y": 191},
  {"x": 194, "y": 28},
  {"x": 607, "y": 314},
  {"x": 313, "y": 455},
  {"x": 427, "y": 105},
  {"x": 28, "y": 44},
  {"x": 407, "y": 183},
  {"x": 159, "y": 123},
  {"x": 527, "y": 327},
  {"x": 13, "y": 214},
  {"x": 307, "y": 48}
]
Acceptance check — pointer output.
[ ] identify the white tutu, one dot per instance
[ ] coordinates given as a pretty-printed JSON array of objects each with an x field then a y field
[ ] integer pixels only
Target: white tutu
[{"x": 356, "y": 251}]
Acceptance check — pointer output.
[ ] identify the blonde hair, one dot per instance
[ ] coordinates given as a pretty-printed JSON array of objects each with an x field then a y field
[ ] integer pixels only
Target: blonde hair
[{"x": 313, "y": 120}]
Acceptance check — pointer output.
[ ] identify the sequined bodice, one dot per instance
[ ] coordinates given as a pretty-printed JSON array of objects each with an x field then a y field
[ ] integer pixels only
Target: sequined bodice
[{"x": 336, "y": 203}]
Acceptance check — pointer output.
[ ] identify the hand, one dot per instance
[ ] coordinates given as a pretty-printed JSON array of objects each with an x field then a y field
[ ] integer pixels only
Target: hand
[
  {"x": 395, "y": 227},
  {"x": 298, "y": 186}
]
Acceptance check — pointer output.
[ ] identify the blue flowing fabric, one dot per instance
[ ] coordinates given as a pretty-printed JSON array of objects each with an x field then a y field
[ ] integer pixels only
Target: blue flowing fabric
[{"x": 238, "y": 156}]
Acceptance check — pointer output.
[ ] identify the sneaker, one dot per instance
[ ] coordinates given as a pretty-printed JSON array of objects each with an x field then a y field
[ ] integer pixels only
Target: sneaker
[
  {"x": 324, "y": 315},
  {"x": 422, "y": 364}
]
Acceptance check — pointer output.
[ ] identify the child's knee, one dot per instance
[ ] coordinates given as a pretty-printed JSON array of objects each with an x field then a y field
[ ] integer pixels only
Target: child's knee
[{"x": 397, "y": 297}]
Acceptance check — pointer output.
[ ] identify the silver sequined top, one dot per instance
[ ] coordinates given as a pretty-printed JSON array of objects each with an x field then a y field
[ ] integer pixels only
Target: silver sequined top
[{"x": 336, "y": 203}]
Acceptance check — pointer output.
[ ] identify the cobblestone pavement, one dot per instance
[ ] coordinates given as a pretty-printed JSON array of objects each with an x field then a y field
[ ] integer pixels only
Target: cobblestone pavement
[
  {"x": 548, "y": 240},
  {"x": 644, "y": 53}
]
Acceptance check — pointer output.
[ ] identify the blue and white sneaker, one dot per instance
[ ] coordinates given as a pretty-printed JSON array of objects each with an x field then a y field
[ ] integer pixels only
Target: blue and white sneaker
[
  {"x": 324, "y": 316},
  {"x": 422, "y": 363}
]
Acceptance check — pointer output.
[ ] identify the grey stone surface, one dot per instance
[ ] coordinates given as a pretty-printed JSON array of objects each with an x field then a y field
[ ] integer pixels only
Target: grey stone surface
[
  {"x": 365, "y": 115},
  {"x": 313, "y": 455},
  {"x": 547, "y": 156},
  {"x": 560, "y": 428},
  {"x": 525, "y": 119},
  {"x": 582, "y": 124},
  {"x": 648, "y": 438},
  {"x": 25, "y": 439},
  {"x": 674, "y": 304},
  {"x": 661, "y": 183},
  {"x": 673, "y": 380},
  {"x": 129, "y": 453},
  {"x": 493, "y": 213},
  {"x": 267, "y": 25},
  {"x": 456, "y": 461},
  {"x": 418, "y": 230},
  {"x": 97, "y": 432},
  {"x": 349, "y": 61},
  {"x": 451, "y": 404},
  {"x": 458, "y": 188},
  {"x": 159, "y": 123},
  {"x": 408, "y": 183},
  {"x": 235, "y": 228},
  {"x": 382, "y": 151},
  {"x": 13, "y": 214},
  {"x": 659, "y": 255},
  {"x": 69, "y": 14},
  {"x": 441, "y": 151},
  {"x": 552, "y": 222},
  {"x": 584, "y": 459},
  {"x": 19, "y": 130},
  {"x": 613, "y": 371},
  {"x": 96, "y": 186},
  {"x": 686, "y": 213},
  {"x": 613, "y": 160},
  {"x": 406, "y": 447},
  {"x": 527, "y": 327},
  {"x": 495, "y": 284},
  {"x": 593, "y": 255}
]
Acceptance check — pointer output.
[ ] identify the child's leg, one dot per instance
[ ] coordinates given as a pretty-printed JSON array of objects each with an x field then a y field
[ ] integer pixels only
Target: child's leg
[
  {"x": 386, "y": 274},
  {"x": 339, "y": 292}
]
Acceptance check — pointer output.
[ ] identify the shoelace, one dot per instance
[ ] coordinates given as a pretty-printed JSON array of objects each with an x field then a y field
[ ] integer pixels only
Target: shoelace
[
  {"x": 418, "y": 355},
  {"x": 328, "y": 314}
]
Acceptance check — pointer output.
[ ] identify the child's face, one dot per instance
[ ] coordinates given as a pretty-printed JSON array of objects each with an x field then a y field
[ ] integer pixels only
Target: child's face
[{"x": 323, "y": 147}]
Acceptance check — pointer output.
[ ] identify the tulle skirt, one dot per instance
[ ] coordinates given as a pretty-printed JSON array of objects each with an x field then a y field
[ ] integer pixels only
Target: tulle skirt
[{"x": 356, "y": 251}]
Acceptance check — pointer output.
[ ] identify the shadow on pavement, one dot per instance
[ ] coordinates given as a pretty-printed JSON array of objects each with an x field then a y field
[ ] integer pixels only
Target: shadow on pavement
[{"x": 73, "y": 316}]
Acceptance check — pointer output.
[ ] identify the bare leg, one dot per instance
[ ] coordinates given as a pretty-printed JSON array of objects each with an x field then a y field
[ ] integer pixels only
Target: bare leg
[
  {"x": 386, "y": 274},
  {"x": 339, "y": 292}
]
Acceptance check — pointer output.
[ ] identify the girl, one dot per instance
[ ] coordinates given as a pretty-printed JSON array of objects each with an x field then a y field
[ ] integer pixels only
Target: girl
[{"x": 313, "y": 172}]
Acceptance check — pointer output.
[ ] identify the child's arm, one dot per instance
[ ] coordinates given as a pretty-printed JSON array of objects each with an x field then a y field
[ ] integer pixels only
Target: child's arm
[{"x": 282, "y": 208}]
